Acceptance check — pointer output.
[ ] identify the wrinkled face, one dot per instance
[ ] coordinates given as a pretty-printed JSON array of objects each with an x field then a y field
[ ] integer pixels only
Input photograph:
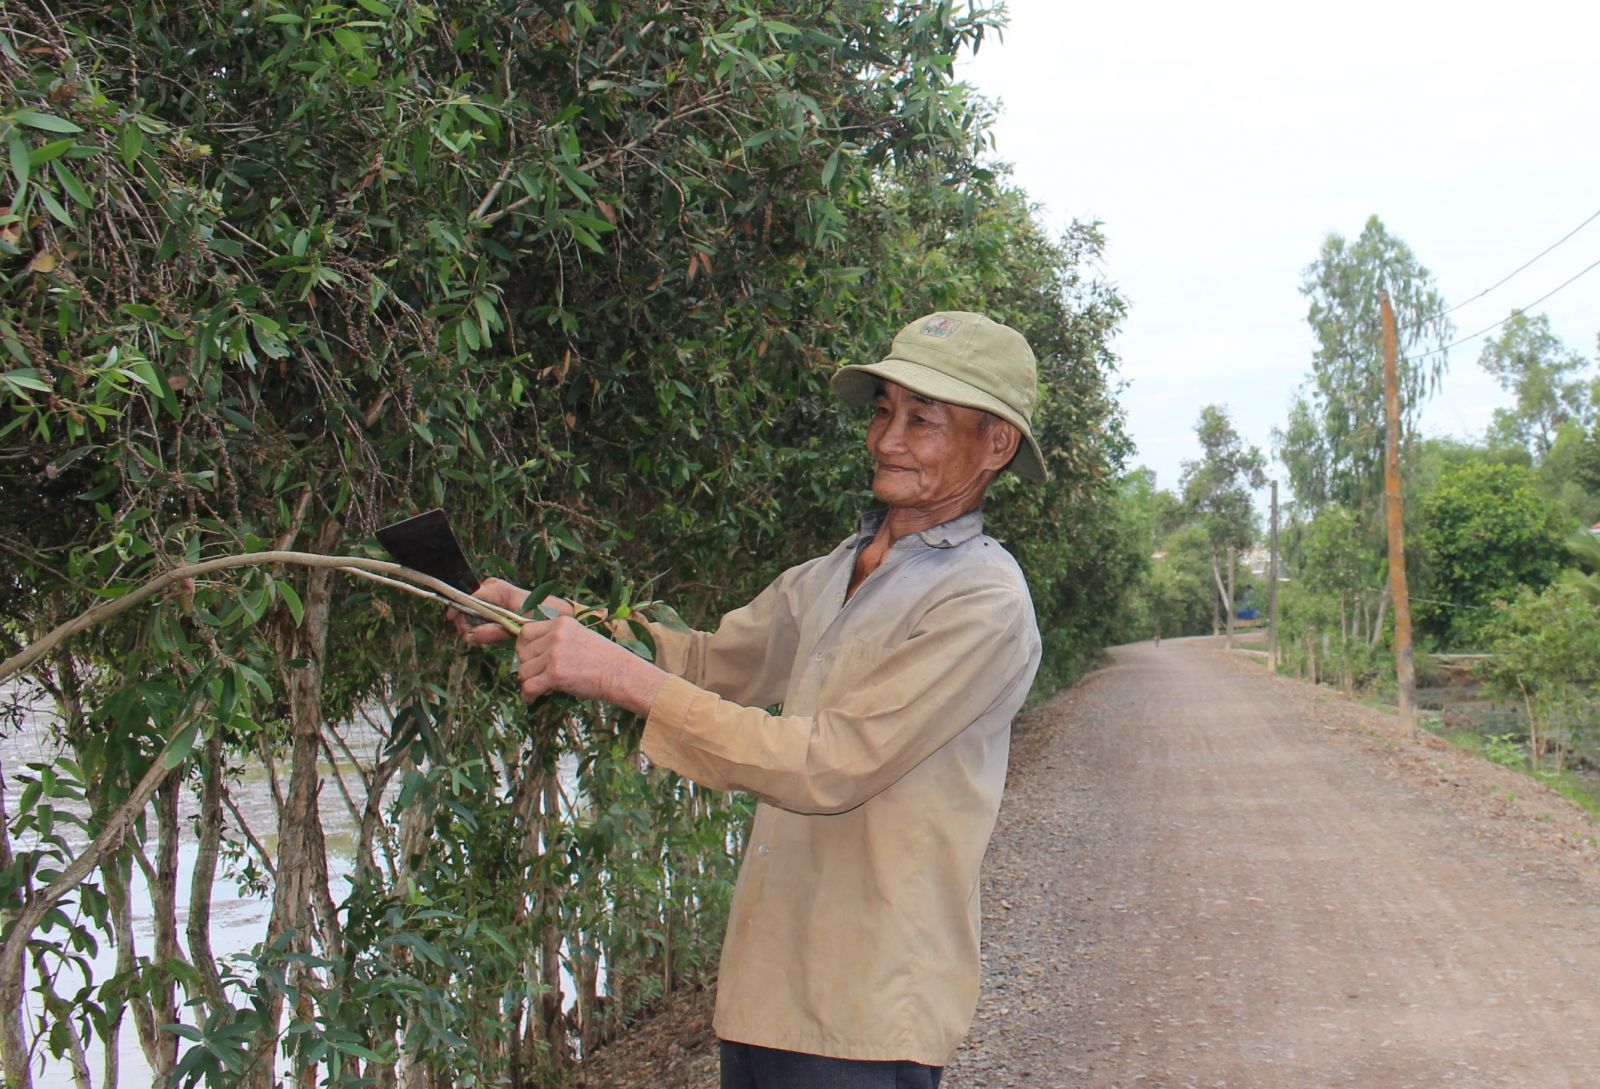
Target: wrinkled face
[{"x": 928, "y": 455}]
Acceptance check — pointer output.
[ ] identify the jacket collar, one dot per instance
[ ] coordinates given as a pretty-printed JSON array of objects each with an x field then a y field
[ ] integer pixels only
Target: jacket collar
[{"x": 958, "y": 530}]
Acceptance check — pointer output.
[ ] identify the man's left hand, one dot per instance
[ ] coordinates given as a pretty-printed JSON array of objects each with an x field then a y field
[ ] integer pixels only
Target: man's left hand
[{"x": 561, "y": 655}]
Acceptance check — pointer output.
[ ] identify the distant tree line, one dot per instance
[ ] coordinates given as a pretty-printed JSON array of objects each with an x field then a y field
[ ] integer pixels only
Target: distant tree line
[{"x": 1500, "y": 556}]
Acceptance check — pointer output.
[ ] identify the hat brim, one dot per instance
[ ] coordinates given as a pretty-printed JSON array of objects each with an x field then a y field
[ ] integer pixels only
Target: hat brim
[{"x": 857, "y": 384}]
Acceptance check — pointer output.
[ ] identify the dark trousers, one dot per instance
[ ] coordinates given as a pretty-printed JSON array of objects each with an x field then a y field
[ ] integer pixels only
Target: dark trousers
[{"x": 745, "y": 1066}]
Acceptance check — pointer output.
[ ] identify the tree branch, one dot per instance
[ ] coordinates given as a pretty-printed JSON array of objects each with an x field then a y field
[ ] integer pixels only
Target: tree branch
[{"x": 389, "y": 573}]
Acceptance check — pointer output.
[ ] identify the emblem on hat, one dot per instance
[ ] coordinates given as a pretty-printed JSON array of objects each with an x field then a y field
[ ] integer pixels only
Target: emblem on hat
[{"x": 941, "y": 326}]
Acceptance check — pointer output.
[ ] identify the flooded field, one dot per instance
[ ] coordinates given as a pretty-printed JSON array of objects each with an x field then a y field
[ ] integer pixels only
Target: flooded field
[
  {"x": 238, "y": 915},
  {"x": 1461, "y": 703}
]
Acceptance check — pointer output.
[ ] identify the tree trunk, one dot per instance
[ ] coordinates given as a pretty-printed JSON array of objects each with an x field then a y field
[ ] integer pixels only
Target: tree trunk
[
  {"x": 13, "y": 1046},
  {"x": 1346, "y": 678},
  {"x": 1222, "y": 592},
  {"x": 1377, "y": 625},
  {"x": 198, "y": 927},
  {"x": 164, "y": 897},
  {"x": 1233, "y": 562},
  {"x": 302, "y": 866},
  {"x": 551, "y": 1016}
]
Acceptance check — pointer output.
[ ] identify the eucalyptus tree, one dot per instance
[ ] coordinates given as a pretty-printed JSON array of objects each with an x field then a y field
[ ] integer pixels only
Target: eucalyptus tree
[
  {"x": 1548, "y": 380},
  {"x": 1333, "y": 442}
]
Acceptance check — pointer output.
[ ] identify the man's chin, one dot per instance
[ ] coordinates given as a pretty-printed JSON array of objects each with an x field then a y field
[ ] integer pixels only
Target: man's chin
[{"x": 889, "y": 490}]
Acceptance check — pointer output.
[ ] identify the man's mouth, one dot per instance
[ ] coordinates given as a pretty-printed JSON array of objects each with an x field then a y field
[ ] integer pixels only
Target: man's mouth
[{"x": 884, "y": 467}]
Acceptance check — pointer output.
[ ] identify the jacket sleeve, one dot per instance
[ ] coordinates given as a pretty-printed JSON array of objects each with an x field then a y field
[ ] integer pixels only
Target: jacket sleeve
[
  {"x": 881, "y": 711},
  {"x": 749, "y": 657}
]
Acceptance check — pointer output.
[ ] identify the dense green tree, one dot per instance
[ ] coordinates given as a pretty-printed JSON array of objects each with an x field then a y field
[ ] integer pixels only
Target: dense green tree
[
  {"x": 1484, "y": 532},
  {"x": 275, "y": 274},
  {"x": 1172, "y": 591},
  {"x": 1333, "y": 599},
  {"x": 1182, "y": 591},
  {"x": 1545, "y": 649}
]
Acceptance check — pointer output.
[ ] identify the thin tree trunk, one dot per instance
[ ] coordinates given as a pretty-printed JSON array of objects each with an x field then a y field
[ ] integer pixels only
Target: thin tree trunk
[
  {"x": 1535, "y": 741},
  {"x": 1346, "y": 669},
  {"x": 1377, "y": 627},
  {"x": 552, "y": 1018},
  {"x": 302, "y": 864},
  {"x": 198, "y": 927},
  {"x": 1222, "y": 592},
  {"x": 1233, "y": 562},
  {"x": 164, "y": 897},
  {"x": 13, "y": 1046}
]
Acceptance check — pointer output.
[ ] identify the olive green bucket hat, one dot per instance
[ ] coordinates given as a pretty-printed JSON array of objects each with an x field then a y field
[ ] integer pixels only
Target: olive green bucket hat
[{"x": 960, "y": 358}]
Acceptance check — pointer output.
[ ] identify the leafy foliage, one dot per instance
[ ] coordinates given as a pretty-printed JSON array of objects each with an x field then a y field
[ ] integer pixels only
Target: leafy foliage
[
  {"x": 272, "y": 275},
  {"x": 1530, "y": 362},
  {"x": 1546, "y": 655},
  {"x": 1333, "y": 444},
  {"x": 1217, "y": 493},
  {"x": 1484, "y": 532}
]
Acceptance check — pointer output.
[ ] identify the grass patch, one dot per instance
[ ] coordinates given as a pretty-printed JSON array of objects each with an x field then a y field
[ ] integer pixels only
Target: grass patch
[{"x": 1508, "y": 752}]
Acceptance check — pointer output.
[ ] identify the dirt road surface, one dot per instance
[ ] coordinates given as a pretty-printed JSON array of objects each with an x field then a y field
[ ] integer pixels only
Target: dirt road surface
[{"x": 1207, "y": 877}]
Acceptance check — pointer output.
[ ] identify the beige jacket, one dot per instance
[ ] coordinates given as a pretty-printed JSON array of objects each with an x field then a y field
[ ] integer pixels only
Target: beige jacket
[{"x": 854, "y": 926}]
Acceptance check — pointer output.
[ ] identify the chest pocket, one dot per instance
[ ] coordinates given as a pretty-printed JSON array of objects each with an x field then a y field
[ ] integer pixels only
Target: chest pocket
[{"x": 852, "y": 668}]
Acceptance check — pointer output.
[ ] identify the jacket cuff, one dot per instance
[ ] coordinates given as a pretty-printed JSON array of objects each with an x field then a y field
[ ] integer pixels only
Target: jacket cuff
[{"x": 668, "y": 718}]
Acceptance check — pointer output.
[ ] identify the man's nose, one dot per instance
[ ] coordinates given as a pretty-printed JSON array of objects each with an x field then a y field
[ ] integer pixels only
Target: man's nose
[{"x": 893, "y": 435}]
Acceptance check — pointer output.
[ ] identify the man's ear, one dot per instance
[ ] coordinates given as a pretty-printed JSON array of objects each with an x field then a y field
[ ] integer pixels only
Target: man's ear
[{"x": 1004, "y": 438}]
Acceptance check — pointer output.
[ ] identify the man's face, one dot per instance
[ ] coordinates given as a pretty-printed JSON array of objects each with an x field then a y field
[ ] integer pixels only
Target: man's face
[{"x": 928, "y": 454}]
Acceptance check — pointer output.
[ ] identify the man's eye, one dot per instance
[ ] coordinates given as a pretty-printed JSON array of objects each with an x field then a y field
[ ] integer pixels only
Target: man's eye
[{"x": 920, "y": 421}]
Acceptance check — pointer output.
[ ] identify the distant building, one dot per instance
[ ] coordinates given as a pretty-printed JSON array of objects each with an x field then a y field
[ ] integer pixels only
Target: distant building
[{"x": 1256, "y": 561}]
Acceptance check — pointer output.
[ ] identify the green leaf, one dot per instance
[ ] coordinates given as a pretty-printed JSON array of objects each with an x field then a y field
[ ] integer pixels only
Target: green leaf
[
  {"x": 27, "y": 378},
  {"x": 45, "y": 121},
  {"x": 44, "y": 153},
  {"x": 349, "y": 41},
  {"x": 21, "y": 163},
  {"x": 178, "y": 750},
  {"x": 829, "y": 169},
  {"x": 292, "y": 600},
  {"x": 130, "y": 143},
  {"x": 53, "y": 206},
  {"x": 74, "y": 188}
]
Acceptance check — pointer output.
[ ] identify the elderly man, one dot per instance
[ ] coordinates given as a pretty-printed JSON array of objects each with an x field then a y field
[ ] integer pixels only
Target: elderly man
[{"x": 899, "y": 659}]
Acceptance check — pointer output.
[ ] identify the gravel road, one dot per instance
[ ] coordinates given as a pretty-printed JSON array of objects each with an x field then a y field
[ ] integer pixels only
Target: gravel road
[{"x": 1207, "y": 877}]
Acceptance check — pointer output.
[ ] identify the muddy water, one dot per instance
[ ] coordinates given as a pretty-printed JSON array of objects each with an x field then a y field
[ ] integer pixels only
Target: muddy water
[
  {"x": 238, "y": 916},
  {"x": 1463, "y": 704}
]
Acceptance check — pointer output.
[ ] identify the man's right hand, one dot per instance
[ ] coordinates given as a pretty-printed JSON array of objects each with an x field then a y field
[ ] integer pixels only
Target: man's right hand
[{"x": 507, "y": 596}]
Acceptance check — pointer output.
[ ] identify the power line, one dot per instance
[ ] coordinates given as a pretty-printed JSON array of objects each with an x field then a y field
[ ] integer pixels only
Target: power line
[
  {"x": 1508, "y": 317},
  {"x": 1524, "y": 265}
]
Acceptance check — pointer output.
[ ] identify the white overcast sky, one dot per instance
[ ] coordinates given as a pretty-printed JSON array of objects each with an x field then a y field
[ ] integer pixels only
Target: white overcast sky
[{"x": 1221, "y": 143}]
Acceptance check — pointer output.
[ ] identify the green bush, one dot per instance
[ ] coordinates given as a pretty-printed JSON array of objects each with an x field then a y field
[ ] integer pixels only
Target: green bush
[
  {"x": 275, "y": 274},
  {"x": 1545, "y": 651}
]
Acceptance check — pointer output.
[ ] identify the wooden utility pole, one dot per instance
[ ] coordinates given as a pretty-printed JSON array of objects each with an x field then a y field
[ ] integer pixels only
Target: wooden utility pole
[
  {"x": 1272, "y": 587},
  {"x": 1404, "y": 667}
]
